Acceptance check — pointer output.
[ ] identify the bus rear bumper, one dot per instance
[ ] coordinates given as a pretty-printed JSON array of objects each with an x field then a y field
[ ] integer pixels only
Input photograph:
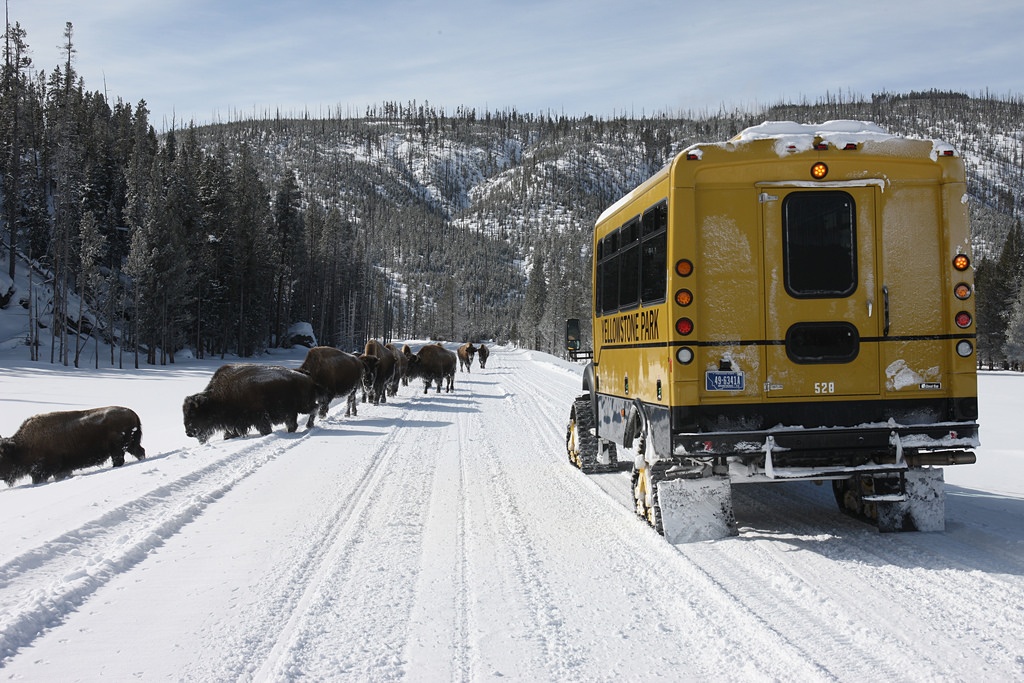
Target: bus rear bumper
[{"x": 830, "y": 453}]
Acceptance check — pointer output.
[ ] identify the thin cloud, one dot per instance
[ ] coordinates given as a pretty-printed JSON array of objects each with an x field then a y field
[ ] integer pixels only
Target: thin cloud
[{"x": 201, "y": 61}]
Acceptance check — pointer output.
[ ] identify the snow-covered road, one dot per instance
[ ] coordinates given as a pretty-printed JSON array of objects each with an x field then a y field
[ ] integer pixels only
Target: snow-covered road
[{"x": 445, "y": 537}]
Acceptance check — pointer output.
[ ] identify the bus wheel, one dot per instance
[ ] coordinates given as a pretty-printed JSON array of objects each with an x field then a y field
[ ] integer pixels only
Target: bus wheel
[
  {"x": 585, "y": 450},
  {"x": 645, "y": 494},
  {"x": 850, "y": 497},
  {"x": 913, "y": 501}
]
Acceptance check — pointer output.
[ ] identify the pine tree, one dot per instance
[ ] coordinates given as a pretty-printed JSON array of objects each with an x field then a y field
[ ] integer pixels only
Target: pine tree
[
  {"x": 533, "y": 304},
  {"x": 12, "y": 105},
  {"x": 1014, "y": 346},
  {"x": 289, "y": 226},
  {"x": 90, "y": 281}
]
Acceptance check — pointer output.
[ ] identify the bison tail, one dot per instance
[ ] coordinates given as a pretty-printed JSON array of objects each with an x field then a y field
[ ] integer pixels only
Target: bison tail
[{"x": 135, "y": 444}]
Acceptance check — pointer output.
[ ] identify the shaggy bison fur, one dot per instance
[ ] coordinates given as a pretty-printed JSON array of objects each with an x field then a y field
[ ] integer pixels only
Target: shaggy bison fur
[
  {"x": 241, "y": 396},
  {"x": 433, "y": 363},
  {"x": 339, "y": 373},
  {"x": 56, "y": 444},
  {"x": 482, "y": 353},
  {"x": 387, "y": 365},
  {"x": 466, "y": 352},
  {"x": 401, "y": 375}
]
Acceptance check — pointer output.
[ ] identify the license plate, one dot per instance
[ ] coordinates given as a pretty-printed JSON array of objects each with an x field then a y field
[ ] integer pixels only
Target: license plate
[{"x": 718, "y": 380}]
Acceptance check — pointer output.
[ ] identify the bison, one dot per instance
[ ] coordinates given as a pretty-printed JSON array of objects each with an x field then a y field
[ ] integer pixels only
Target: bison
[
  {"x": 433, "y": 363},
  {"x": 481, "y": 354},
  {"x": 339, "y": 374},
  {"x": 377, "y": 389},
  {"x": 401, "y": 375},
  {"x": 56, "y": 444},
  {"x": 466, "y": 352},
  {"x": 241, "y": 396}
]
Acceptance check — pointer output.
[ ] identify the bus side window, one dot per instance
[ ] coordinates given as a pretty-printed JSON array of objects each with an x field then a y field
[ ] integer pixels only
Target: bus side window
[
  {"x": 653, "y": 254},
  {"x": 629, "y": 263},
  {"x": 610, "y": 273}
]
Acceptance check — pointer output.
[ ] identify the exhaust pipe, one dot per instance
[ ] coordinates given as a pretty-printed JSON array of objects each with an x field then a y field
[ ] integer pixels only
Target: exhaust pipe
[{"x": 939, "y": 458}]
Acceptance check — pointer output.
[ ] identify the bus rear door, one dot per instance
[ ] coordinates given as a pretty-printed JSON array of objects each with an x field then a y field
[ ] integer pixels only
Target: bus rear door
[{"x": 822, "y": 310}]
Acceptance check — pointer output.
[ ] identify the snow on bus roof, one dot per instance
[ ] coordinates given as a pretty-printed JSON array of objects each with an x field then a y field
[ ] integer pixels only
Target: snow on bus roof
[
  {"x": 775, "y": 129},
  {"x": 791, "y": 137}
]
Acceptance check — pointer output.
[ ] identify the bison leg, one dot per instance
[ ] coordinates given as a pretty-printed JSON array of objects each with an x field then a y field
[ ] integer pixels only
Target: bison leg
[
  {"x": 265, "y": 426},
  {"x": 309, "y": 422},
  {"x": 351, "y": 405},
  {"x": 291, "y": 422},
  {"x": 117, "y": 460}
]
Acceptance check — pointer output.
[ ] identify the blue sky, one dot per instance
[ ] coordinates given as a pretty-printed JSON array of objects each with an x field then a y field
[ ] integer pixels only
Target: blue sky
[{"x": 220, "y": 60}]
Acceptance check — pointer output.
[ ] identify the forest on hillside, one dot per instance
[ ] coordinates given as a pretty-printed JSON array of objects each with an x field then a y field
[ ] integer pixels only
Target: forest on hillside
[{"x": 407, "y": 222}]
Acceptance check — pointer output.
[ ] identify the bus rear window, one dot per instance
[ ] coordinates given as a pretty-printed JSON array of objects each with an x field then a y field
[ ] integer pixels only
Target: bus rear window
[
  {"x": 826, "y": 342},
  {"x": 819, "y": 245}
]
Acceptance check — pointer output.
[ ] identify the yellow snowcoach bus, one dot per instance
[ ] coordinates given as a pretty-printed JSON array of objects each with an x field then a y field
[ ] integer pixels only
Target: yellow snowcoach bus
[{"x": 795, "y": 303}]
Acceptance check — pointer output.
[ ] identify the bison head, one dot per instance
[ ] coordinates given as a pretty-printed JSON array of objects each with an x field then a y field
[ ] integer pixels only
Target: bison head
[
  {"x": 198, "y": 424},
  {"x": 11, "y": 468},
  {"x": 369, "y": 376}
]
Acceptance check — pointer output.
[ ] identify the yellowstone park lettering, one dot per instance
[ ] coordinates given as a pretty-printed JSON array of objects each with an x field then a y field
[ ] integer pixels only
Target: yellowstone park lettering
[{"x": 629, "y": 328}]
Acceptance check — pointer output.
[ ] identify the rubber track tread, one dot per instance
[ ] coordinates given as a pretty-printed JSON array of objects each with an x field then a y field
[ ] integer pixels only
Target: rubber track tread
[{"x": 585, "y": 457}]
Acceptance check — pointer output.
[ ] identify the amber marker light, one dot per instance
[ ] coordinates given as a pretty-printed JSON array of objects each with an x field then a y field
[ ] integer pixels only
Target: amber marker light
[
  {"x": 684, "y": 267},
  {"x": 962, "y": 291},
  {"x": 684, "y": 297},
  {"x": 961, "y": 262},
  {"x": 819, "y": 170}
]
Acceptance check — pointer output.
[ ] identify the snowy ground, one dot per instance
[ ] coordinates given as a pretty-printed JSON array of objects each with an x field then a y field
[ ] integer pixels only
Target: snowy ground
[{"x": 446, "y": 538}]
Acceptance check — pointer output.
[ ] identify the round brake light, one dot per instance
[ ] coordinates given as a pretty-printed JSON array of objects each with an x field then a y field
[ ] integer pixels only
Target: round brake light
[
  {"x": 963, "y": 319},
  {"x": 684, "y": 326}
]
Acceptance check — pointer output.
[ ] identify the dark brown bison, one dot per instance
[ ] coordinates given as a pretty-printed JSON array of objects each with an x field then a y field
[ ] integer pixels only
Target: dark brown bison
[
  {"x": 433, "y": 363},
  {"x": 401, "y": 375},
  {"x": 339, "y": 374},
  {"x": 466, "y": 352},
  {"x": 482, "y": 353},
  {"x": 241, "y": 396},
  {"x": 55, "y": 444},
  {"x": 377, "y": 390}
]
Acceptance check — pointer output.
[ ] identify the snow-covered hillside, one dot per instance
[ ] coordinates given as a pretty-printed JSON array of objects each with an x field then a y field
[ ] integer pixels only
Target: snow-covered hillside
[{"x": 446, "y": 537}]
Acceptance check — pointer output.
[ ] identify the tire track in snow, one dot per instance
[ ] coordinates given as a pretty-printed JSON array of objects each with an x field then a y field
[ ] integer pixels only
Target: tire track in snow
[
  {"x": 912, "y": 575},
  {"x": 440, "y": 621},
  {"x": 705, "y": 615},
  {"x": 561, "y": 655},
  {"x": 340, "y": 600},
  {"x": 41, "y": 586}
]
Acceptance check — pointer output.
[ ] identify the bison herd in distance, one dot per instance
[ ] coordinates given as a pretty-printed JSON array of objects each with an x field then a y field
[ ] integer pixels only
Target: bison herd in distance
[{"x": 238, "y": 398}]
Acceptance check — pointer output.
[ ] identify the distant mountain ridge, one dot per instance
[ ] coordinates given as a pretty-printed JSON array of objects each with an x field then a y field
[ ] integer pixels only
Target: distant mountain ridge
[{"x": 417, "y": 180}]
